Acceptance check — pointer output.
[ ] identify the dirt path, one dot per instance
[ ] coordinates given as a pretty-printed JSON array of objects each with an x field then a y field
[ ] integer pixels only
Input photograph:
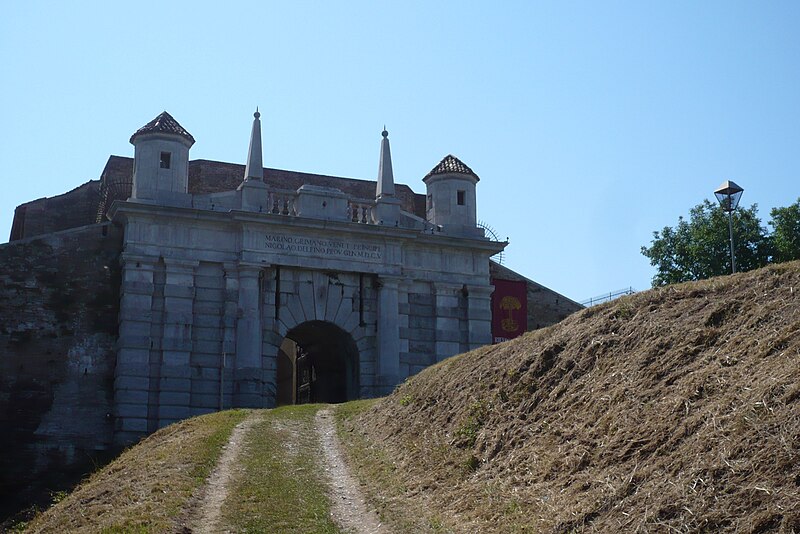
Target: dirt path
[
  {"x": 207, "y": 514},
  {"x": 348, "y": 508}
]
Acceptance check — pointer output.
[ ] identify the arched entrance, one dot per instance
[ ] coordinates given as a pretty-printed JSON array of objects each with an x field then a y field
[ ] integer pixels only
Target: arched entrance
[{"x": 317, "y": 362}]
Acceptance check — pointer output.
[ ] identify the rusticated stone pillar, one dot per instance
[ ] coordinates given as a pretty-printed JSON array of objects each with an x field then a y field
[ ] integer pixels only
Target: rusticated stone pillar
[
  {"x": 479, "y": 315},
  {"x": 447, "y": 313},
  {"x": 247, "y": 387},
  {"x": 388, "y": 334}
]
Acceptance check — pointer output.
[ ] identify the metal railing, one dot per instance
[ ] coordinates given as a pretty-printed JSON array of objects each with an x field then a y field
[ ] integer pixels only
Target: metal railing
[{"x": 608, "y": 297}]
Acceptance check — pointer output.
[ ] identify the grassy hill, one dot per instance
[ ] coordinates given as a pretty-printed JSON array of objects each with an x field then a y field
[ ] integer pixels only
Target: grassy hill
[
  {"x": 672, "y": 410},
  {"x": 150, "y": 486},
  {"x": 159, "y": 484}
]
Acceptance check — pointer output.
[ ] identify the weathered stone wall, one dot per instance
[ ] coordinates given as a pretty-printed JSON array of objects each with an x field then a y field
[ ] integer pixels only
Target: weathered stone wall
[
  {"x": 59, "y": 306},
  {"x": 545, "y": 306},
  {"x": 418, "y": 337},
  {"x": 179, "y": 321},
  {"x": 435, "y": 324},
  {"x": 208, "y": 372}
]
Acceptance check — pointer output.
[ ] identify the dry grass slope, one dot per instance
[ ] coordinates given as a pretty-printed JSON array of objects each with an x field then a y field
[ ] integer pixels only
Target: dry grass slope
[
  {"x": 672, "y": 410},
  {"x": 150, "y": 486}
]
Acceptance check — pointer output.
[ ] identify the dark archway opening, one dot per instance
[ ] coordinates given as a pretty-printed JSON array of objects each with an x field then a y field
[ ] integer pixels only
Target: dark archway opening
[{"x": 317, "y": 362}]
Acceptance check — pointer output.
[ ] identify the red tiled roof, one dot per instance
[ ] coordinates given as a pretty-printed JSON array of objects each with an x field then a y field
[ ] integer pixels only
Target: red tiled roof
[
  {"x": 451, "y": 165},
  {"x": 164, "y": 123}
]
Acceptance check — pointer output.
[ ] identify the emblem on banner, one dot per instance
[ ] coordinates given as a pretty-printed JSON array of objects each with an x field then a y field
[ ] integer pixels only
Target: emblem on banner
[
  {"x": 510, "y": 304},
  {"x": 509, "y": 309}
]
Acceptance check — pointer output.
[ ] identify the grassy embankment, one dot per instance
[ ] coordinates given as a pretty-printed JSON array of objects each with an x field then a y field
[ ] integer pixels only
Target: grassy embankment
[
  {"x": 675, "y": 409},
  {"x": 150, "y": 486},
  {"x": 154, "y": 487},
  {"x": 383, "y": 481}
]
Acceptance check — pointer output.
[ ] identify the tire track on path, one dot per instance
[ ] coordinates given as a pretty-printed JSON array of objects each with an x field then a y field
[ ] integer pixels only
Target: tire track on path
[
  {"x": 348, "y": 507},
  {"x": 206, "y": 516}
]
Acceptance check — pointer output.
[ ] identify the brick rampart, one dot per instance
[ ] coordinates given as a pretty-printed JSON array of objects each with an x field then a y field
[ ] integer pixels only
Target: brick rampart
[
  {"x": 59, "y": 305},
  {"x": 73, "y": 209}
]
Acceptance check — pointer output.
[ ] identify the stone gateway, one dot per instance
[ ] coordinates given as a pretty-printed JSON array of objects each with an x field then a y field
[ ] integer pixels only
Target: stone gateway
[
  {"x": 257, "y": 295},
  {"x": 172, "y": 288}
]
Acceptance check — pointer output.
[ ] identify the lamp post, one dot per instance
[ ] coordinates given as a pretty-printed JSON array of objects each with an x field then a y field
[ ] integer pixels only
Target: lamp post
[{"x": 728, "y": 195}]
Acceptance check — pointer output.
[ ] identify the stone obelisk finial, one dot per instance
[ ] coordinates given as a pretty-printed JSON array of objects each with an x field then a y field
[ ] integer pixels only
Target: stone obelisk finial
[
  {"x": 255, "y": 167},
  {"x": 387, "y": 206},
  {"x": 385, "y": 187}
]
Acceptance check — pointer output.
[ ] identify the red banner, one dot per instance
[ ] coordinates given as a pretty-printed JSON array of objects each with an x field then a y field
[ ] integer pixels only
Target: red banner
[{"x": 509, "y": 309}]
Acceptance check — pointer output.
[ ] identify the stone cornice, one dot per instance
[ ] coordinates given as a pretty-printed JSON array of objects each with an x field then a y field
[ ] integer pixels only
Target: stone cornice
[{"x": 122, "y": 210}]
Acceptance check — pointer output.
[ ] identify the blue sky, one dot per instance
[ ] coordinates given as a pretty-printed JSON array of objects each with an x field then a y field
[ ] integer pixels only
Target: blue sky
[{"x": 590, "y": 124}]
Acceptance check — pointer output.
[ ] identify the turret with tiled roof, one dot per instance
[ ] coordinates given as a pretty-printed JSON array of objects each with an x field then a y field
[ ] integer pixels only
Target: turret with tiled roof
[
  {"x": 161, "y": 162},
  {"x": 451, "y": 198}
]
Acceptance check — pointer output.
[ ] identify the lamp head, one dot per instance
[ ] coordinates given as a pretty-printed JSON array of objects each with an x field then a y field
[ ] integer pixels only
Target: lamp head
[{"x": 728, "y": 195}]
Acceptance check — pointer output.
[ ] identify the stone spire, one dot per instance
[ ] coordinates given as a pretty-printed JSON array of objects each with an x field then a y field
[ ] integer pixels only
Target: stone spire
[
  {"x": 385, "y": 186},
  {"x": 387, "y": 206},
  {"x": 253, "y": 189},
  {"x": 255, "y": 168}
]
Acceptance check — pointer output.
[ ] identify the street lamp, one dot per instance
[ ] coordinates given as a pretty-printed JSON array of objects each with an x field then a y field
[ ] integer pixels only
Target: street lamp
[{"x": 728, "y": 195}]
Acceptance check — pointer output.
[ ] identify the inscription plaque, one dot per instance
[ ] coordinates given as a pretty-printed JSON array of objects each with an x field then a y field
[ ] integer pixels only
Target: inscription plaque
[{"x": 324, "y": 247}]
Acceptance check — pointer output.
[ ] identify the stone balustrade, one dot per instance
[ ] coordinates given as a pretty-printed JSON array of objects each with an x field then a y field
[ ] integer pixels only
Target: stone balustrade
[
  {"x": 313, "y": 203},
  {"x": 282, "y": 202},
  {"x": 361, "y": 211}
]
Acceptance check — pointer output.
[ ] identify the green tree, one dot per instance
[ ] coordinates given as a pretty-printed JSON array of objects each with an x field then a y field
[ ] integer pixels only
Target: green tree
[
  {"x": 786, "y": 232},
  {"x": 700, "y": 248}
]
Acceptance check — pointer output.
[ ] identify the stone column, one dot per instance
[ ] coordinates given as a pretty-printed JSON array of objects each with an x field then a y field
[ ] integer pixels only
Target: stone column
[
  {"x": 175, "y": 377},
  {"x": 447, "y": 313},
  {"x": 229, "y": 318},
  {"x": 132, "y": 371},
  {"x": 479, "y": 315},
  {"x": 388, "y": 335},
  {"x": 247, "y": 387},
  {"x": 403, "y": 310},
  {"x": 270, "y": 340}
]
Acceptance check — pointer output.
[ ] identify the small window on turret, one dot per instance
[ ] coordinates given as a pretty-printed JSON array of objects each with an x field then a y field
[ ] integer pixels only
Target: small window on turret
[
  {"x": 165, "y": 159},
  {"x": 461, "y": 197}
]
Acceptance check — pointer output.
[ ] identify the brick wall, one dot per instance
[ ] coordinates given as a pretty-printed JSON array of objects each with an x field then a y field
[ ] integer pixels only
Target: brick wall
[
  {"x": 58, "y": 305},
  {"x": 80, "y": 206},
  {"x": 70, "y": 210}
]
